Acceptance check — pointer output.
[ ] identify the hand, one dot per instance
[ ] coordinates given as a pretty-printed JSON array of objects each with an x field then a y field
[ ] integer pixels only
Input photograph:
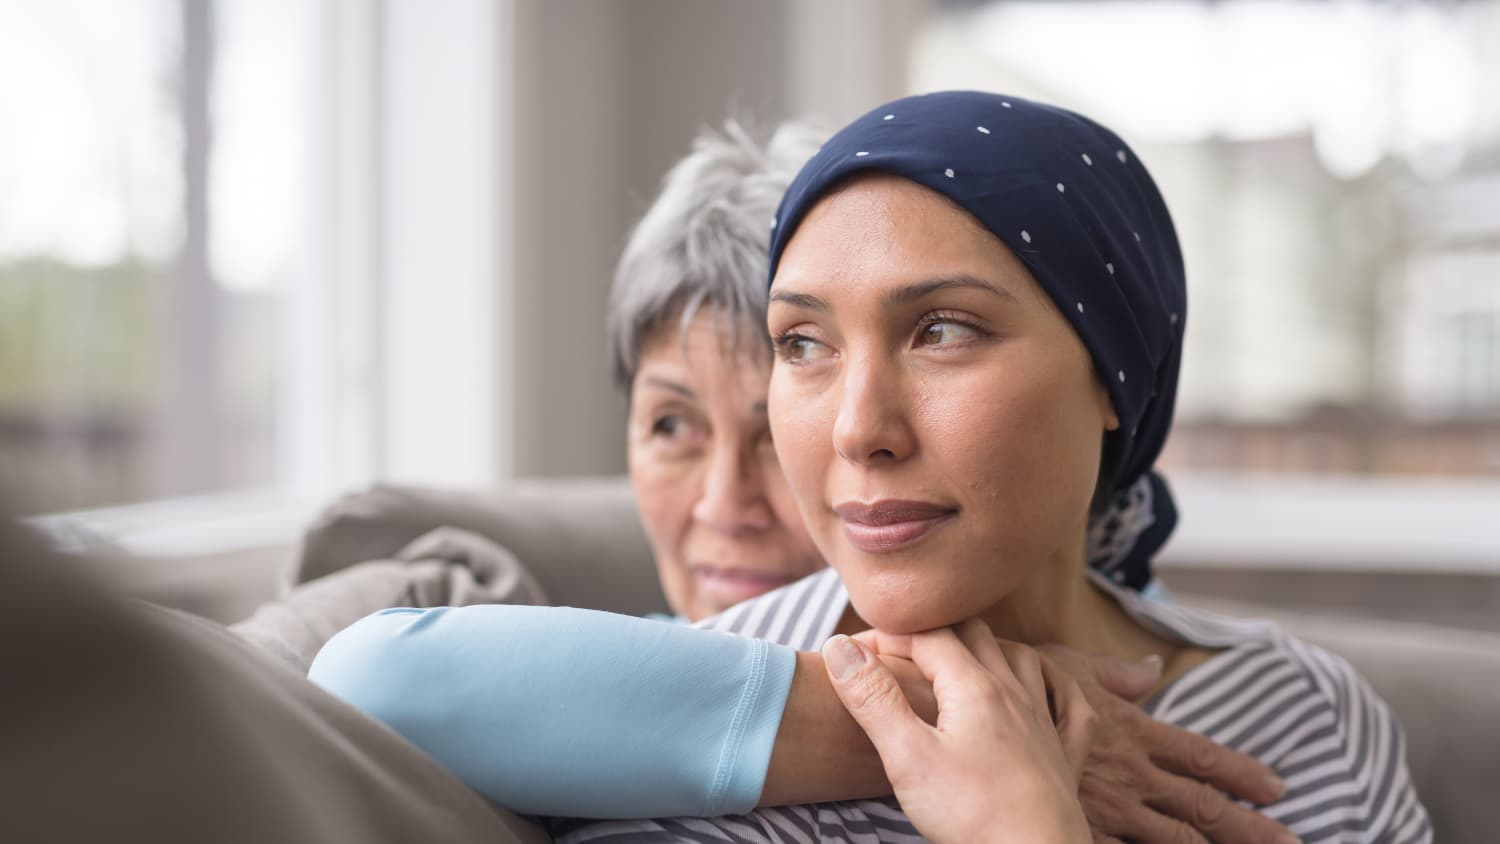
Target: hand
[
  {"x": 1149, "y": 781},
  {"x": 995, "y": 767}
]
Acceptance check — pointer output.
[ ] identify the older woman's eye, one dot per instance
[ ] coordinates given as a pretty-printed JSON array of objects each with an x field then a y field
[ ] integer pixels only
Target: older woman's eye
[
  {"x": 943, "y": 332},
  {"x": 667, "y": 426},
  {"x": 676, "y": 434}
]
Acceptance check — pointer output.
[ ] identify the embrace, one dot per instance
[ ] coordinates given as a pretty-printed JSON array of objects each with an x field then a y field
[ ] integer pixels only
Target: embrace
[{"x": 974, "y": 308}]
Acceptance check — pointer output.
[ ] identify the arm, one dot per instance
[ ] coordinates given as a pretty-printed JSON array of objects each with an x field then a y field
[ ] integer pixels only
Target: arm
[
  {"x": 821, "y": 753},
  {"x": 620, "y": 717},
  {"x": 571, "y": 712}
]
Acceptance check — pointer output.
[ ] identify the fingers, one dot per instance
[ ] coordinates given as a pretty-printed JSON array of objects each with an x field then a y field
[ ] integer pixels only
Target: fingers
[
  {"x": 1199, "y": 758},
  {"x": 1129, "y": 679},
  {"x": 1002, "y": 659},
  {"x": 1027, "y": 666},
  {"x": 941, "y": 653},
  {"x": 1213, "y": 814},
  {"x": 873, "y": 697},
  {"x": 971, "y": 659},
  {"x": 1074, "y": 717},
  {"x": 886, "y": 644},
  {"x": 1153, "y": 827}
]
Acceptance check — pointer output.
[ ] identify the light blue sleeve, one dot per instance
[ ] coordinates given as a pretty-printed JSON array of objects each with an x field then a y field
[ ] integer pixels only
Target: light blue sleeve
[{"x": 569, "y": 712}]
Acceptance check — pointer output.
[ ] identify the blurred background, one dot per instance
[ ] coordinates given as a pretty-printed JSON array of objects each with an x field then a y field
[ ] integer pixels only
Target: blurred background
[{"x": 257, "y": 253}]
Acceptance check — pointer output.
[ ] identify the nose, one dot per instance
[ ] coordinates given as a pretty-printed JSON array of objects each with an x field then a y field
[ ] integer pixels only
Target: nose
[
  {"x": 733, "y": 499},
  {"x": 871, "y": 427}
]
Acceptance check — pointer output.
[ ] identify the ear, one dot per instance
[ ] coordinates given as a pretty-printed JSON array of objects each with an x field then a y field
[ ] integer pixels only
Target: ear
[{"x": 1106, "y": 407}]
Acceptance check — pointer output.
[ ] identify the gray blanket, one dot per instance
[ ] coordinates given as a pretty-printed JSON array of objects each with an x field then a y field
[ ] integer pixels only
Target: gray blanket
[{"x": 444, "y": 567}]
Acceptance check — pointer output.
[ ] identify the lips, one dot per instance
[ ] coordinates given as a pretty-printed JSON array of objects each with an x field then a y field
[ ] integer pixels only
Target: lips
[
  {"x": 890, "y": 525},
  {"x": 731, "y": 585}
]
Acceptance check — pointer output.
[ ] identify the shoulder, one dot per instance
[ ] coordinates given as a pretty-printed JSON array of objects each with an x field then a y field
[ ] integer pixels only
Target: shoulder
[
  {"x": 1309, "y": 715},
  {"x": 799, "y": 615}
]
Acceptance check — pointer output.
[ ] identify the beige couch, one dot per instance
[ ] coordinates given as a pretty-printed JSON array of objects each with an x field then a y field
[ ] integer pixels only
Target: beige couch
[{"x": 582, "y": 541}]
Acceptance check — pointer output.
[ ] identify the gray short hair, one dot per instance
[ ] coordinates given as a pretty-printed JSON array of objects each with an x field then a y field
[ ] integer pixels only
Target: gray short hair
[{"x": 706, "y": 238}]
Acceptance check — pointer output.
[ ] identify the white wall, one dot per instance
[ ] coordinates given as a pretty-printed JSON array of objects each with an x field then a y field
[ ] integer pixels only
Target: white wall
[{"x": 606, "y": 97}]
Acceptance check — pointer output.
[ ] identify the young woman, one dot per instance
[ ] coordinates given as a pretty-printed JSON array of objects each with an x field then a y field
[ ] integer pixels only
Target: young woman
[
  {"x": 977, "y": 308},
  {"x": 563, "y": 712}
]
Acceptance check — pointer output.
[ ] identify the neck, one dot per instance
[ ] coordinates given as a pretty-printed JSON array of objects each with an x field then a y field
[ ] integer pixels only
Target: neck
[{"x": 1058, "y": 604}]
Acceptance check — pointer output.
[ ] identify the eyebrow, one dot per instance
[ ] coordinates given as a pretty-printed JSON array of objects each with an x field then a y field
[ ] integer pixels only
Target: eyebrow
[
  {"x": 962, "y": 281},
  {"x": 687, "y": 392},
  {"x": 904, "y": 295},
  {"x": 800, "y": 300},
  {"x": 670, "y": 386}
]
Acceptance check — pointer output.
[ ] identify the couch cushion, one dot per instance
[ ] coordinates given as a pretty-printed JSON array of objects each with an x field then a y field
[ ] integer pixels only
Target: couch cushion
[
  {"x": 1444, "y": 686},
  {"x": 581, "y": 538}
]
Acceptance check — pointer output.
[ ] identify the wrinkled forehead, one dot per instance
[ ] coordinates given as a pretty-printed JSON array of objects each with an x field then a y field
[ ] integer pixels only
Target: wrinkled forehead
[{"x": 709, "y": 345}]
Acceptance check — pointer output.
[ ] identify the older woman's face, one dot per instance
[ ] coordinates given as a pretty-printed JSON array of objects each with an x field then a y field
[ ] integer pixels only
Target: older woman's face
[
  {"x": 714, "y": 502},
  {"x": 938, "y": 419}
]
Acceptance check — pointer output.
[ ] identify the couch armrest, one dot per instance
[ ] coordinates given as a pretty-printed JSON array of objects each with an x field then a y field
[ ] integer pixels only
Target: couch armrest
[{"x": 580, "y": 538}]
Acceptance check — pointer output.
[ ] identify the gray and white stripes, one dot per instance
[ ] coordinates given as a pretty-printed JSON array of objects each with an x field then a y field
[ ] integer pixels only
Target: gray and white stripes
[{"x": 1300, "y": 709}]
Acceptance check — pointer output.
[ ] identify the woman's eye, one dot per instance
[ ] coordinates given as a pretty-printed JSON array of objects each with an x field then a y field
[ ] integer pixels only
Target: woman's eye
[
  {"x": 667, "y": 426},
  {"x": 676, "y": 434},
  {"x": 797, "y": 348},
  {"x": 940, "y": 333}
]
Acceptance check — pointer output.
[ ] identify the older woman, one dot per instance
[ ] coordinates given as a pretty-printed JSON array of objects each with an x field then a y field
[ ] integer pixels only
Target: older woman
[
  {"x": 977, "y": 309},
  {"x": 677, "y": 720},
  {"x": 684, "y": 328}
]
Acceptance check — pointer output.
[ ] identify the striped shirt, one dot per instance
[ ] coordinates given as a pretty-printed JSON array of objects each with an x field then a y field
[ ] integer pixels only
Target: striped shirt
[{"x": 1299, "y": 709}]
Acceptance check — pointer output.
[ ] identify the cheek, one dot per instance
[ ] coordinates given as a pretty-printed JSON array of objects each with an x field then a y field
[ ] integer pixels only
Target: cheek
[
  {"x": 784, "y": 504},
  {"x": 1029, "y": 454},
  {"x": 664, "y": 499},
  {"x": 801, "y": 426}
]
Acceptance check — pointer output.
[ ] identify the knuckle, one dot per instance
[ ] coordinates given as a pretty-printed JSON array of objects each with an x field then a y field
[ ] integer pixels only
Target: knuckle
[
  {"x": 993, "y": 697},
  {"x": 1105, "y": 807},
  {"x": 871, "y": 693},
  {"x": 1208, "y": 808},
  {"x": 1086, "y": 718},
  {"x": 1203, "y": 757}
]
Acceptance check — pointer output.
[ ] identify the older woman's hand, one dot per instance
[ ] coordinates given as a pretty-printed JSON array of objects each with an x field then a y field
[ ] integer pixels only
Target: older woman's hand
[
  {"x": 1150, "y": 781},
  {"x": 995, "y": 766},
  {"x": 1143, "y": 779}
]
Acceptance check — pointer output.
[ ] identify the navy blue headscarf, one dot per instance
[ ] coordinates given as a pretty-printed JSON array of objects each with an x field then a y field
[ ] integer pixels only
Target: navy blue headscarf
[{"x": 1073, "y": 203}]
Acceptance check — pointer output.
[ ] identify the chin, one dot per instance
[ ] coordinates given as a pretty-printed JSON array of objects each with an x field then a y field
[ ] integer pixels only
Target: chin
[
  {"x": 903, "y": 611},
  {"x": 903, "y": 594}
]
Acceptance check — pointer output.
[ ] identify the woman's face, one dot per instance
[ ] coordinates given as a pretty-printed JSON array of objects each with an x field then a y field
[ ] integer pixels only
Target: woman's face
[
  {"x": 712, "y": 497},
  {"x": 938, "y": 420}
]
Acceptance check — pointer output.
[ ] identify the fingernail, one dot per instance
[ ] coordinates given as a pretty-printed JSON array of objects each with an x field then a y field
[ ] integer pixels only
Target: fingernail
[
  {"x": 1152, "y": 663},
  {"x": 844, "y": 657},
  {"x": 1276, "y": 786},
  {"x": 1289, "y": 838}
]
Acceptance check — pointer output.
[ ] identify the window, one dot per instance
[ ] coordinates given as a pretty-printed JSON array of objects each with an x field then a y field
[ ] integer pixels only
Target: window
[
  {"x": 153, "y": 196},
  {"x": 248, "y": 250},
  {"x": 1334, "y": 173}
]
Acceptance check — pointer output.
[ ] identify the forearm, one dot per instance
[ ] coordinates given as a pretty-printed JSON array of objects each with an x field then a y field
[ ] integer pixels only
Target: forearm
[
  {"x": 821, "y": 754},
  {"x": 569, "y": 712}
]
